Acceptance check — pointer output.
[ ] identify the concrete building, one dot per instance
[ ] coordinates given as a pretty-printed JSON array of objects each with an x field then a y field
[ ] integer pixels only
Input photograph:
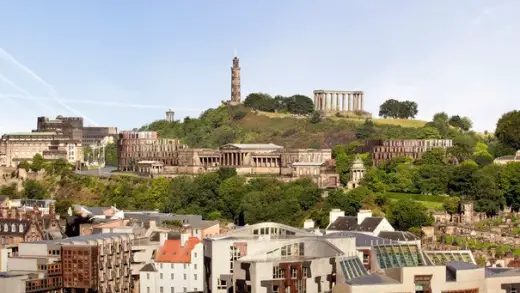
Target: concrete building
[
  {"x": 178, "y": 267},
  {"x": 405, "y": 268},
  {"x": 94, "y": 135},
  {"x": 265, "y": 257},
  {"x": 384, "y": 150},
  {"x": 338, "y": 101}
]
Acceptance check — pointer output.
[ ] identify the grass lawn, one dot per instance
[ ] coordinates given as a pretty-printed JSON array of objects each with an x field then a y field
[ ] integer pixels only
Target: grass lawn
[
  {"x": 131, "y": 174},
  {"x": 437, "y": 206},
  {"x": 401, "y": 122}
]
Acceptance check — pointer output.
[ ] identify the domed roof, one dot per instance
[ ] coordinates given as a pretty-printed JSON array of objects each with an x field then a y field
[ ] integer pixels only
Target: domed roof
[{"x": 358, "y": 163}]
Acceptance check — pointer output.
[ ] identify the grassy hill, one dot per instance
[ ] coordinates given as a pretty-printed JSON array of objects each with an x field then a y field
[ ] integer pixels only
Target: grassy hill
[{"x": 239, "y": 124}]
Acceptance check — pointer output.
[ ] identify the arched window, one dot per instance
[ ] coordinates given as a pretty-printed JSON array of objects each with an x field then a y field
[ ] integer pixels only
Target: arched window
[
  {"x": 20, "y": 228},
  {"x": 13, "y": 228},
  {"x": 6, "y": 228}
]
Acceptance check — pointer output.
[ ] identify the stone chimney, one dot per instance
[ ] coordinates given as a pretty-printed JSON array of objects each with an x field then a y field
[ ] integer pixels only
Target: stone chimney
[
  {"x": 184, "y": 238},
  {"x": 308, "y": 224},
  {"x": 334, "y": 214},
  {"x": 362, "y": 215}
]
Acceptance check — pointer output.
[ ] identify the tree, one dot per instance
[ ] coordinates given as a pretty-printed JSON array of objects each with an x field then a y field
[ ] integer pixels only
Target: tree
[
  {"x": 225, "y": 173},
  {"x": 299, "y": 104},
  {"x": 508, "y": 130},
  {"x": 366, "y": 130},
  {"x": 315, "y": 118},
  {"x": 10, "y": 190},
  {"x": 37, "y": 163},
  {"x": 432, "y": 179},
  {"x": 261, "y": 101},
  {"x": 34, "y": 190},
  {"x": 462, "y": 123},
  {"x": 485, "y": 190},
  {"x": 452, "y": 204},
  {"x": 397, "y": 109},
  {"x": 463, "y": 147},
  {"x": 436, "y": 156},
  {"x": 428, "y": 132},
  {"x": 338, "y": 199},
  {"x": 405, "y": 214},
  {"x": 231, "y": 192},
  {"x": 461, "y": 178}
]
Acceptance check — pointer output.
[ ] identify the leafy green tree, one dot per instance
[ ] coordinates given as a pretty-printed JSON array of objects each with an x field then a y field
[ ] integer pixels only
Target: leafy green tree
[
  {"x": 462, "y": 123},
  {"x": 460, "y": 179},
  {"x": 405, "y": 214},
  {"x": 111, "y": 154},
  {"x": 231, "y": 192},
  {"x": 463, "y": 147},
  {"x": 452, "y": 205},
  {"x": 37, "y": 163},
  {"x": 436, "y": 156},
  {"x": 366, "y": 130},
  {"x": 432, "y": 179},
  {"x": 485, "y": 190},
  {"x": 338, "y": 199},
  {"x": 10, "y": 190},
  {"x": 397, "y": 109},
  {"x": 25, "y": 165},
  {"x": 225, "y": 173},
  {"x": 508, "y": 130},
  {"x": 428, "y": 132},
  {"x": 299, "y": 104},
  {"x": 32, "y": 189},
  {"x": 510, "y": 184},
  {"x": 315, "y": 118},
  {"x": 338, "y": 149}
]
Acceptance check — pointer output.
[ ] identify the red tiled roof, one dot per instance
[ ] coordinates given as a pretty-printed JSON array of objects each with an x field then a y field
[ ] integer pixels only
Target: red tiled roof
[{"x": 173, "y": 252}]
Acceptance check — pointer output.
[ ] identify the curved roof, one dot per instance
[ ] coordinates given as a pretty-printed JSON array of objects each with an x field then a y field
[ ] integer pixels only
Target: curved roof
[
  {"x": 358, "y": 163},
  {"x": 264, "y": 229}
]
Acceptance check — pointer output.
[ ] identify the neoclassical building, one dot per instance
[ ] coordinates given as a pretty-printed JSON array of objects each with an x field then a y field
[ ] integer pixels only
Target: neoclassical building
[
  {"x": 249, "y": 160},
  {"x": 338, "y": 101}
]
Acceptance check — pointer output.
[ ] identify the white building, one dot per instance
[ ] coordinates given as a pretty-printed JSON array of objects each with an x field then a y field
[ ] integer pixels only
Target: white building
[
  {"x": 261, "y": 257},
  {"x": 363, "y": 223},
  {"x": 178, "y": 267}
]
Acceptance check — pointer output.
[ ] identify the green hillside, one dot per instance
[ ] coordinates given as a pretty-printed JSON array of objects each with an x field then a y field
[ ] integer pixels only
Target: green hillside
[{"x": 239, "y": 124}]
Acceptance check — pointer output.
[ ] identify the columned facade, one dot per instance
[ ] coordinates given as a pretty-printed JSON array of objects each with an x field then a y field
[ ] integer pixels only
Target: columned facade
[{"x": 338, "y": 101}]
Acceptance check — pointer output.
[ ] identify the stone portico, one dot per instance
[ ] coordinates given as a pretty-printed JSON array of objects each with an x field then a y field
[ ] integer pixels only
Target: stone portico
[{"x": 338, "y": 101}]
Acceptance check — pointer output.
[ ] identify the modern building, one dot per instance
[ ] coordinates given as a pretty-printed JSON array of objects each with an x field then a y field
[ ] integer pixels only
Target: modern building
[
  {"x": 270, "y": 257},
  {"x": 405, "y": 268},
  {"x": 384, "y": 150},
  {"x": 178, "y": 267},
  {"x": 136, "y": 146},
  {"x": 94, "y": 263}
]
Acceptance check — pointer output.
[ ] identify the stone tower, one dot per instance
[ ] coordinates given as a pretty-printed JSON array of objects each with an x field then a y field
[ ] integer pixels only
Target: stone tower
[
  {"x": 169, "y": 115},
  {"x": 235, "y": 82}
]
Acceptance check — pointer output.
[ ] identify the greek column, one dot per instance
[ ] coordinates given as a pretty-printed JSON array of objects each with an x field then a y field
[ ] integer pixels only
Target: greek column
[
  {"x": 349, "y": 101},
  {"x": 326, "y": 102},
  {"x": 361, "y": 102},
  {"x": 343, "y": 108},
  {"x": 337, "y": 102}
]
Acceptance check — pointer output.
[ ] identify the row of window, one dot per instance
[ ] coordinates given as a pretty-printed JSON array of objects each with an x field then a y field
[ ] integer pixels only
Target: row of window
[
  {"x": 185, "y": 266},
  {"x": 172, "y": 276},
  {"x": 172, "y": 289}
]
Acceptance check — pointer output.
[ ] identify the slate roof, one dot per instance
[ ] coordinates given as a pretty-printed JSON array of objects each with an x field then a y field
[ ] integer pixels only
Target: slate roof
[
  {"x": 149, "y": 268},
  {"x": 349, "y": 223},
  {"x": 256, "y": 145},
  {"x": 398, "y": 235}
]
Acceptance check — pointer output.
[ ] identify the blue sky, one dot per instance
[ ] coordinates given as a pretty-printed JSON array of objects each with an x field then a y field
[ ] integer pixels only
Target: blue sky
[{"x": 460, "y": 56}]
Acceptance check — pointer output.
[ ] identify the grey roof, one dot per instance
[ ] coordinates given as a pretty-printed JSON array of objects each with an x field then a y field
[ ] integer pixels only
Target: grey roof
[
  {"x": 84, "y": 238},
  {"x": 349, "y": 223},
  {"x": 398, "y": 235},
  {"x": 361, "y": 239},
  {"x": 502, "y": 272},
  {"x": 149, "y": 268},
  {"x": 97, "y": 211},
  {"x": 460, "y": 265},
  {"x": 373, "y": 279}
]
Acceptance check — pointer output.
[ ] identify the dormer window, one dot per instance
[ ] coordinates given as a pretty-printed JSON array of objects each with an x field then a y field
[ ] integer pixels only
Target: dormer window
[
  {"x": 13, "y": 228},
  {"x": 6, "y": 228},
  {"x": 21, "y": 228}
]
